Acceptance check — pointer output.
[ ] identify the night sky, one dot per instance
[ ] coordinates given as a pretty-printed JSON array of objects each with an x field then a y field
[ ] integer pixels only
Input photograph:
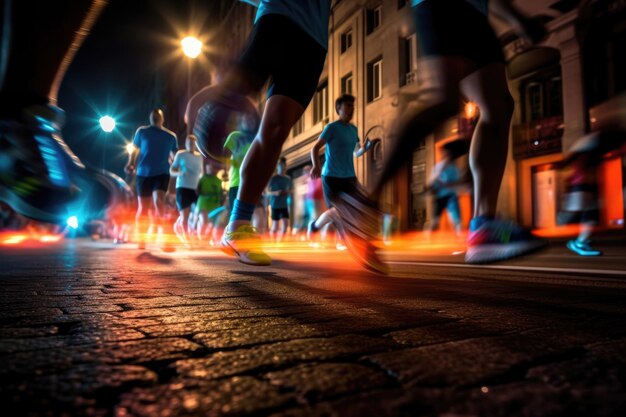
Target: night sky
[{"x": 121, "y": 69}]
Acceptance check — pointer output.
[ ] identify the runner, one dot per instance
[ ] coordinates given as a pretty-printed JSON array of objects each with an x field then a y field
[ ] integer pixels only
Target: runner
[
  {"x": 341, "y": 141},
  {"x": 187, "y": 168},
  {"x": 459, "y": 54},
  {"x": 154, "y": 146},
  {"x": 37, "y": 169},
  {"x": 210, "y": 198},
  {"x": 443, "y": 184},
  {"x": 279, "y": 189},
  {"x": 288, "y": 45}
]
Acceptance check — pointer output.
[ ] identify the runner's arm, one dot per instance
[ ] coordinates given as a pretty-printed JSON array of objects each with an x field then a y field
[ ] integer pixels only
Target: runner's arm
[
  {"x": 316, "y": 171},
  {"x": 175, "y": 167}
]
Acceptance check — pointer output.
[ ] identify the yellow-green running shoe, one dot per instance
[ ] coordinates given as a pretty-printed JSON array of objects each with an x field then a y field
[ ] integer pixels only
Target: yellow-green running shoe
[{"x": 245, "y": 243}]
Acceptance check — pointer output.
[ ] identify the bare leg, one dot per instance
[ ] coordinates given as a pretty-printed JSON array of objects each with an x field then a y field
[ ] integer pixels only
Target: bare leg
[
  {"x": 586, "y": 229},
  {"x": 284, "y": 223},
  {"x": 438, "y": 100},
  {"x": 141, "y": 218},
  {"x": 158, "y": 202},
  {"x": 279, "y": 116},
  {"x": 489, "y": 89},
  {"x": 325, "y": 218},
  {"x": 273, "y": 230},
  {"x": 185, "y": 222}
]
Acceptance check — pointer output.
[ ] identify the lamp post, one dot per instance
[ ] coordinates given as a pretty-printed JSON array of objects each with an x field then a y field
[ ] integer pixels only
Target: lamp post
[
  {"x": 107, "y": 123},
  {"x": 192, "y": 48}
]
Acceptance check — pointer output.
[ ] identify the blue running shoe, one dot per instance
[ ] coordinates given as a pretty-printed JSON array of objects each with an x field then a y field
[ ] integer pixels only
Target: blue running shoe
[
  {"x": 582, "y": 248},
  {"x": 36, "y": 166},
  {"x": 497, "y": 240}
]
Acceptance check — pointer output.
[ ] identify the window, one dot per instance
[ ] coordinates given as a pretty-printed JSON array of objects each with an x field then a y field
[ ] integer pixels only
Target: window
[
  {"x": 408, "y": 60},
  {"x": 534, "y": 101},
  {"x": 346, "y": 84},
  {"x": 374, "y": 79},
  {"x": 320, "y": 103},
  {"x": 373, "y": 19},
  {"x": 346, "y": 40},
  {"x": 298, "y": 127},
  {"x": 543, "y": 97}
]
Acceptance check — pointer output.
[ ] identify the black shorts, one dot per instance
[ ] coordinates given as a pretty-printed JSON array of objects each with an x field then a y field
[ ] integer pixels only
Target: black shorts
[
  {"x": 332, "y": 186},
  {"x": 147, "y": 185},
  {"x": 455, "y": 28},
  {"x": 185, "y": 197},
  {"x": 279, "y": 213},
  {"x": 280, "y": 49}
]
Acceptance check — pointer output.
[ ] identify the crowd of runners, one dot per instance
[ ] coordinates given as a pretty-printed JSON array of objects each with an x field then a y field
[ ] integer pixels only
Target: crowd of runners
[{"x": 287, "y": 49}]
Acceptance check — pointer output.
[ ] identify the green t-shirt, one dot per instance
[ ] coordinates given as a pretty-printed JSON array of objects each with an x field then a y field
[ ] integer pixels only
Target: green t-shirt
[
  {"x": 238, "y": 144},
  {"x": 209, "y": 192}
]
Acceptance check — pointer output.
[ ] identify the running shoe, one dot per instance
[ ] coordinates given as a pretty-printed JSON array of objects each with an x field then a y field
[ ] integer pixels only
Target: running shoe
[
  {"x": 245, "y": 243},
  {"x": 497, "y": 240},
  {"x": 358, "y": 222},
  {"x": 36, "y": 166},
  {"x": 582, "y": 248}
]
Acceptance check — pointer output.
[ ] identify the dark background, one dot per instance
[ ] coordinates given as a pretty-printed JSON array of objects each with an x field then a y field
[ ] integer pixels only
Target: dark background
[{"x": 129, "y": 64}]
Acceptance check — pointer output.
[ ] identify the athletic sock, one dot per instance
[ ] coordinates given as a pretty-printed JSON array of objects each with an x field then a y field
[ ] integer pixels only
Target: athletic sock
[{"x": 242, "y": 211}]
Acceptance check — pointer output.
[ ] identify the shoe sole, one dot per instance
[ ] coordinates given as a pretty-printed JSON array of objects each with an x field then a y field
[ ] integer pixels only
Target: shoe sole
[
  {"x": 497, "y": 252},
  {"x": 577, "y": 252},
  {"x": 229, "y": 250}
]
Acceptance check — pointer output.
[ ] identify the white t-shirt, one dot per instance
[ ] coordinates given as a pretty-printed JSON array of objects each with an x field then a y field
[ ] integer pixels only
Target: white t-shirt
[{"x": 190, "y": 166}]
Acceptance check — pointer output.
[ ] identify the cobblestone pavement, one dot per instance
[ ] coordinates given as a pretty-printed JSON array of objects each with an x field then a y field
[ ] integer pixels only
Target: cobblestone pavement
[{"x": 90, "y": 330}]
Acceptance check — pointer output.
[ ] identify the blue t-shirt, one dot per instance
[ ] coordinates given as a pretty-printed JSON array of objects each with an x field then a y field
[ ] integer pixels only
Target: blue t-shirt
[
  {"x": 155, "y": 145},
  {"x": 341, "y": 140},
  {"x": 446, "y": 173},
  {"x": 481, "y": 5},
  {"x": 311, "y": 15},
  {"x": 279, "y": 182}
]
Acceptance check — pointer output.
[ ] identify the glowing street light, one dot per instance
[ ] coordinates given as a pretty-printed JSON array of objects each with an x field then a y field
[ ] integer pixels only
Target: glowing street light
[
  {"x": 107, "y": 123},
  {"x": 192, "y": 47},
  {"x": 130, "y": 148},
  {"x": 72, "y": 222},
  {"x": 470, "y": 109}
]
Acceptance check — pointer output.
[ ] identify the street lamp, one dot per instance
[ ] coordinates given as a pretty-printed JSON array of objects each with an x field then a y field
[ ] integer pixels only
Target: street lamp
[
  {"x": 107, "y": 123},
  {"x": 192, "y": 48},
  {"x": 130, "y": 148}
]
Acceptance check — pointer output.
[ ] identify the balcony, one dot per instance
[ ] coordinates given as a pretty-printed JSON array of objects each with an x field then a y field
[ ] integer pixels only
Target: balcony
[{"x": 536, "y": 138}]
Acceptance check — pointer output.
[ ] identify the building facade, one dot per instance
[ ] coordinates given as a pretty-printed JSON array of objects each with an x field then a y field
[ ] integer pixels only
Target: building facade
[{"x": 562, "y": 88}]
